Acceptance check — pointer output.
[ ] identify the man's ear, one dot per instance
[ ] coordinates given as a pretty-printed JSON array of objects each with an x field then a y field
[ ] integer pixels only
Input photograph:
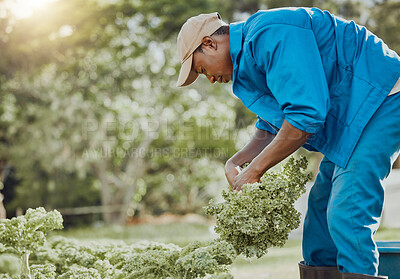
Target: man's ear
[{"x": 209, "y": 42}]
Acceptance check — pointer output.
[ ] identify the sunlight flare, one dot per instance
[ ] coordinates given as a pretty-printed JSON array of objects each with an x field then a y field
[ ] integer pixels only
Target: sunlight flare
[{"x": 26, "y": 8}]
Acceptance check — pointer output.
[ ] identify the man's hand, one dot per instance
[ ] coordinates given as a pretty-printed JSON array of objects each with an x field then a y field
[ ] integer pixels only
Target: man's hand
[
  {"x": 263, "y": 151},
  {"x": 231, "y": 172},
  {"x": 247, "y": 175},
  {"x": 257, "y": 143}
]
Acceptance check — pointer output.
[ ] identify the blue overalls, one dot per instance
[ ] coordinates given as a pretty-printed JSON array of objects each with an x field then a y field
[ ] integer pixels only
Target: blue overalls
[{"x": 329, "y": 77}]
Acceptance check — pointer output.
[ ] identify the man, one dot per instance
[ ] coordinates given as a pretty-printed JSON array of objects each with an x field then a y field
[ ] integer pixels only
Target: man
[{"x": 318, "y": 81}]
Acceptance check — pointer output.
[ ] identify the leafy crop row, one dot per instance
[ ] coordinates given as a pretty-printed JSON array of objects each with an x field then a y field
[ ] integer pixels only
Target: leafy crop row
[
  {"x": 249, "y": 222},
  {"x": 24, "y": 254}
]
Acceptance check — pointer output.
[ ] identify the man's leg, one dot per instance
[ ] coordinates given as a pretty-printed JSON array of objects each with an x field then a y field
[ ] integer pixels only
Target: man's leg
[
  {"x": 318, "y": 247},
  {"x": 355, "y": 206}
]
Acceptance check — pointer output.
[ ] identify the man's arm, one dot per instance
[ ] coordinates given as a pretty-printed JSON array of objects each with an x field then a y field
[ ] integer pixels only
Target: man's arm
[
  {"x": 288, "y": 140},
  {"x": 257, "y": 143}
]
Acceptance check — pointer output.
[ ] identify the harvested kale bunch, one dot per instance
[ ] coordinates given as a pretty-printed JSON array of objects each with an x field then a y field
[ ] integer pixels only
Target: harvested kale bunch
[{"x": 262, "y": 214}]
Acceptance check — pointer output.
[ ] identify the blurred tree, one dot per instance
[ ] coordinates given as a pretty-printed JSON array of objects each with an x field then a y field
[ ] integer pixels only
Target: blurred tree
[
  {"x": 94, "y": 99},
  {"x": 384, "y": 21}
]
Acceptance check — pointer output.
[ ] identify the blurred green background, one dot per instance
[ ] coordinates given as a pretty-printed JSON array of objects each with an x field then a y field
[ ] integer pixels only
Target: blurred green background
[{"x": 91, "y": 122}]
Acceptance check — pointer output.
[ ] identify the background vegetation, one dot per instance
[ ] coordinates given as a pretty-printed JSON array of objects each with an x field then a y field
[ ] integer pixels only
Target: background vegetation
[{"x": 89, "y": 111}]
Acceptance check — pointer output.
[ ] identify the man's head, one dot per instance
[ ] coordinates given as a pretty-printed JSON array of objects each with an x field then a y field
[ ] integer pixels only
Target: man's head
[{"x": 203, "y": 47}]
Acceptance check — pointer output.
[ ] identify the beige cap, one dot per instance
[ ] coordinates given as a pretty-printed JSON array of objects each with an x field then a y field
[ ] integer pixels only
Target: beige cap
[{"x": 190, "y": 38}]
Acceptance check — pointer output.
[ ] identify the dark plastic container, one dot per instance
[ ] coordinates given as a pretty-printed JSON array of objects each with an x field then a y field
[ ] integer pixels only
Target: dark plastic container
[{"x": 389, "y": 258}]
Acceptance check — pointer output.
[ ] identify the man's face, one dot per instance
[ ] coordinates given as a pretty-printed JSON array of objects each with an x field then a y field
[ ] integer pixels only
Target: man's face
[{"x": 214, "y": 61}]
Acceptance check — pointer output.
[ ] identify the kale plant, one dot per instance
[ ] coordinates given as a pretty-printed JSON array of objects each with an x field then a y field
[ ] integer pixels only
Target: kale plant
[
  {"x": 10, "y": 264},
  {"x": 25, "y": 234},
  {"x": 262, "y": 214},
  {"x": 76, "y": 259}
]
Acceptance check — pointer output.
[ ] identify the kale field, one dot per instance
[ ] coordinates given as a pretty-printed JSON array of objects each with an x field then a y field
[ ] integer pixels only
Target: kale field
[
  {"x": 278, "y": 262},
  {"x": 247, "y": 236},
  {"x": 247, "y": 222}
]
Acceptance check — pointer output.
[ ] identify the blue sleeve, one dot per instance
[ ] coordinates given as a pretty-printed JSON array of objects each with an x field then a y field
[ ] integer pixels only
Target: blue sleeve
[
  {"x": 262, "y": 125},
  {"x": 290, "y": 59}
]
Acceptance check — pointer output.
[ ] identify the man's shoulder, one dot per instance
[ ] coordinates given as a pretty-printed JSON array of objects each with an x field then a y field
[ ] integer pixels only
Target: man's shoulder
[{"x": 299, "y": 17}]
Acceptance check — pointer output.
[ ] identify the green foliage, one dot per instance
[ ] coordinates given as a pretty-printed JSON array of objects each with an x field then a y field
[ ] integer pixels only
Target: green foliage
[
  {"x": 98, "y": 110},
  {"x": 43, "y": 271},
  {"x": 262, "y": 214},
  {"x": 28, "y": 232},
  {"x": 25, "y": 234},
  {"x": 79, "y": 272},
  {"x": 95, "y": 259},
  {"x": 221, "y": 276},
  {"x": 67, "y": 258},
  {"x": 10, "y": 264},
  {"x": 183, "y": 185},
  {"x": 195, "y": 261},
  {"x": 384, "y": 22},
  {"x": 249, "y": 222}
]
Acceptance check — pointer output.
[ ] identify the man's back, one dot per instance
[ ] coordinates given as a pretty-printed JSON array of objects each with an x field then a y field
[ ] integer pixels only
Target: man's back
[{"x": 342, "y": 44}]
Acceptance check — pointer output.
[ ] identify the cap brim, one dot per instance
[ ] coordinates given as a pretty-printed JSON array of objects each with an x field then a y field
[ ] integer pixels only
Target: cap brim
[{"x": 186, "y": 75}]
